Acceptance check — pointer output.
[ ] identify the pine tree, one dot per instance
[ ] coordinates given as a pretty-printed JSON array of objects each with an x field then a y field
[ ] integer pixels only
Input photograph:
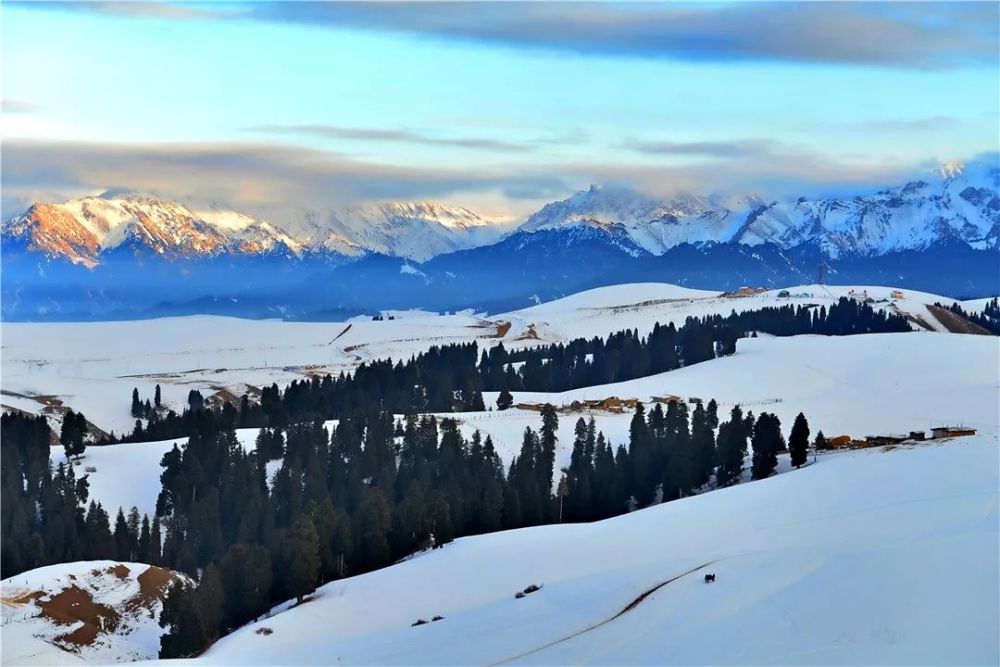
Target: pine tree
[
  {"x": 300, "y": 558},
  {"x": 136, "y": 405},
  {"x": 155, "y": 543},
  {"x": 71, "y": 434},
  {"x": 821, "y": 443},
  {"x": 798, "y": 441},
  {"x": 505, "y": 400},
  {"x": 156, "y": 397},
  {"x": 181, "y": 613},
  {"x": 143, "y": 544},
  {"x": 766, "y": 442},
  {"x": 211, "y": 600},
  {"x": 121, "y": 538},
  {"x": 703, "y": 442},
  {"x": 547, "y": 459},
  {"x": 732, "y": 448}
]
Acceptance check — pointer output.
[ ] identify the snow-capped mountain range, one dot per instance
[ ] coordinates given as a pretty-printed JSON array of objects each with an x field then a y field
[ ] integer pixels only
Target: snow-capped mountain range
[
  {"x": 82, "y": 230},
  {"x": 960, "y": 204}
]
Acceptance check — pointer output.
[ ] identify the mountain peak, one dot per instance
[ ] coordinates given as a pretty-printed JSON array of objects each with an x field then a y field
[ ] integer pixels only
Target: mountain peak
[{"x": 952, "y": 169}]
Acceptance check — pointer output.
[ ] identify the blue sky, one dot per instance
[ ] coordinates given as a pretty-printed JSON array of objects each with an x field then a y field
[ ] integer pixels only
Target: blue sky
[{"x": 497, "y": 107}]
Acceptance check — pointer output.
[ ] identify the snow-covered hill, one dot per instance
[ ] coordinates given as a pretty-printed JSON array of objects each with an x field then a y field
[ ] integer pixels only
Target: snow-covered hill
[
  {"x": 92, "y": 367},
  {"x": 854, "y": 385},
  {"x": 960, "y": 204},
  {"x": 859, "y": 558},
  {"x": 87, "y": 612},
  {"x": 874, "y": 557}
]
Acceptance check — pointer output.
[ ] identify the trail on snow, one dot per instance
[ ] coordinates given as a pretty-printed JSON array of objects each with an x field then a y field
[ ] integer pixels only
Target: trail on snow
[{"x": 629, "y": 607}]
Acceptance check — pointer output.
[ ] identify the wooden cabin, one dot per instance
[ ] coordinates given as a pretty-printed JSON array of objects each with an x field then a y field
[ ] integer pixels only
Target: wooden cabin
[{"x": 951, "y": 431}]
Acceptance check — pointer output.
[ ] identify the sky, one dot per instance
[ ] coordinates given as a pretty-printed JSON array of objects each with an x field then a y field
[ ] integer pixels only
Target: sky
[{"x": 279, "y": 108}]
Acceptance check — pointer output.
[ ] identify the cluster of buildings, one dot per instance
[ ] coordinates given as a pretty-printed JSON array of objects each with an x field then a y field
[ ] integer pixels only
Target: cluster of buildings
[{"x": 937, "y": 433}]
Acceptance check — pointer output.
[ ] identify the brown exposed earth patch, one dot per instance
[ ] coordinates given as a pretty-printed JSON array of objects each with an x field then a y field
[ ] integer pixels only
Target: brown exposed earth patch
[
  {"x": 72, "y": 605},
  {"x": 530, "y": 334},
  {"x": 955, "y": 323},
  {"x": 153, "y": 585},
  {"x": 502, "y": 329},
  {"x": 76, "y": 607}
]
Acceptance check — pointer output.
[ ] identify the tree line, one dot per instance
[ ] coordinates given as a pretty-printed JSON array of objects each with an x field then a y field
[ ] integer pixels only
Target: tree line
[
  {"x": 356, "y": 498},
  {"x": 451, "y": 378}
]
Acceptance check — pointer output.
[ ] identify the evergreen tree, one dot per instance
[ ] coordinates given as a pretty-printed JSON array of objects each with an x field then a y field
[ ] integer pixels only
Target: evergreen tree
[
  {"x": 821, "y": 443},
  {"x": 181, "y": 614},
  {"x": 136, "y": 405},
  {"x": 211, "y": 601},
  {"x": 505, "y": 400},
  {"x": 156, "y": 397},
  {"x": 300, "y": 558},
  {"x": 121, "y": 538},
  {"x": 547, "y": 458},
  {"x": 798, "y": 441},
  {"x": 766, "y": 443},
  {"x": 71, "y": 434},
  {"x": 732, "y": 448}
]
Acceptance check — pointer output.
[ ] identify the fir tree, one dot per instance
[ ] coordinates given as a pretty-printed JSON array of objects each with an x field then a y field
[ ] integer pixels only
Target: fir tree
[
  {"x": 821, "y": 443},
  {"x": 300, "y": 558},
  {"x": 181, "y": 614},
  {"x": 798, "y": 441},
  {"x": 211, "y": 601},
  {"x": 505, "y": 400}
]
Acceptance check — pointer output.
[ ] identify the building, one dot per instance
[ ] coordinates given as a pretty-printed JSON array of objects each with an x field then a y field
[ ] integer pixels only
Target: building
[
  {"x": 839, "y": 442},
  {"x": 888, "y": 439},
  {"x": 951, "y": 431},
  {"x": 897, "y": 295}
]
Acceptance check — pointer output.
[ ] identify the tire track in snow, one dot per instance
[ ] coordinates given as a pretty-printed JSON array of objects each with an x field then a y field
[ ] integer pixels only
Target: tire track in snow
[{"x": 629, "y": 607}]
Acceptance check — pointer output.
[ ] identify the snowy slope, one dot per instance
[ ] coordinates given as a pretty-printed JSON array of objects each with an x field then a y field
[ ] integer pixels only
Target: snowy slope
[
  {"x": 862, "y": 558},
  {"x": 92, "y": 367},
  {"x": 87, "y": 612},
  {"x": 856, "y": 385}
]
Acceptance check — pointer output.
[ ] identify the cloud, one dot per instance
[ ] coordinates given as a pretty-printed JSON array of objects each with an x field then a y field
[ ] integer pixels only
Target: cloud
[
  {"x": 259, "y": 178},
  {"x": 908, "y": 35},
  {"x": 717, "y": 149},
  {"x": 17, "y": 106},
  {"x": 922, "y": 35},
  {"x": 282, "y": 183},
  {"x": 132, "y": 8},
  {"x": 910, "y": 125},
  {"x": 326, "y": 131}
]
